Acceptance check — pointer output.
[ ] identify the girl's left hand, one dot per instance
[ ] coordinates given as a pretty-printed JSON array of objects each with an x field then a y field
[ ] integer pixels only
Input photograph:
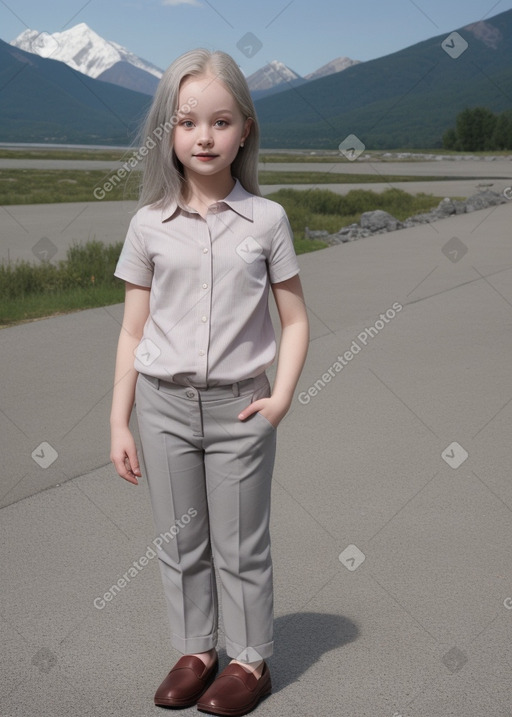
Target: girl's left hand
[{"x": 273, "y": 409}]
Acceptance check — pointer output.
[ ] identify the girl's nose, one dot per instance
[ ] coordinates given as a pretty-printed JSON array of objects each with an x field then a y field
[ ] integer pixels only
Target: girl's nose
[{"x": 205, "y": 138}]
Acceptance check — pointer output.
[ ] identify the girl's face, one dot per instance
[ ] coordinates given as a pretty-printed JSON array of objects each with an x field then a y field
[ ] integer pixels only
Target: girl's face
[{"x": 208, "y": 138}]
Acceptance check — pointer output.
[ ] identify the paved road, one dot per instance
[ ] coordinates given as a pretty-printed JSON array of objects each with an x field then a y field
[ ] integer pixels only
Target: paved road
[
  {"x": 471, "y": 168},
  {"x": 84, "y": 164},
  {"x": 443, "y": 168},
  {"x": 448, "y": 188},
  {"x": 29, "y": 232},
  {"x": 36, "y": 231},
  {"x": 397, "y": 461}
]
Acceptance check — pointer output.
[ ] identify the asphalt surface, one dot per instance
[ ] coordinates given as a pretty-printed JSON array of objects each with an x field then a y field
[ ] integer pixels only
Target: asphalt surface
[
  {"x": 40, "y": 231},
  {"x": 45, "y": 231},
  {"x": 479, "y": 167},
  {"x": 392, "y": 499}
]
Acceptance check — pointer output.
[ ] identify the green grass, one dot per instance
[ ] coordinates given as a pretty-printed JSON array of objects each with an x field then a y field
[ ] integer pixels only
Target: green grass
[
  {"x": 266, "y": 177},
  {"x": 321, "y": 209},
  {"x": 35, "y": 186},
  {"x": 304, "y": 156},
  {"x": 83, "y": 280},
  {"x": 37, "y": 306},
  {"x": 53, "y": 153}
]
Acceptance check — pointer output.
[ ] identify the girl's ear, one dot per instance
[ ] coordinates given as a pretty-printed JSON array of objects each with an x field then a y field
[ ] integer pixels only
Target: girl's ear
[{"x": 247, "y": 128}]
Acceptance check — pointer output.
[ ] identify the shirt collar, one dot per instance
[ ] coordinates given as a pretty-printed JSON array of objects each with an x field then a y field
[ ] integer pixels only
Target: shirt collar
[{"x": 239, "y": 200}]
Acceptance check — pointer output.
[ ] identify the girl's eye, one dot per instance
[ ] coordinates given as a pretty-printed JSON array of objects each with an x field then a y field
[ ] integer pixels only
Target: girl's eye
[
  {"x": 187, "y": 123},
  {"x": 221, "y": 123}
]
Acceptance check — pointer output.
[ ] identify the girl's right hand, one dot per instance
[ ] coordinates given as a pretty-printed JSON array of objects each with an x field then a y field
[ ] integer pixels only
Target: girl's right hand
[{"x": 123, "y": 454}]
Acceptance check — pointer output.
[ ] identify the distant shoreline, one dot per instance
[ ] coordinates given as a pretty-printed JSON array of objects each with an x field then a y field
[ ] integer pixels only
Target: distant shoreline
[{"x": 396, "y": 154}]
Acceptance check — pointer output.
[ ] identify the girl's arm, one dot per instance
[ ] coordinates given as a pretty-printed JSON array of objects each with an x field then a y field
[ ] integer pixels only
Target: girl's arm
[
  {"x": 123, "y": 452},
  {"x": 292, "y": 351}
]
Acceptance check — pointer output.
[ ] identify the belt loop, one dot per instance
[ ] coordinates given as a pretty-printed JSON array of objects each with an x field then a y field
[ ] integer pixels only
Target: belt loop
[{"x": 236, "y": 389}]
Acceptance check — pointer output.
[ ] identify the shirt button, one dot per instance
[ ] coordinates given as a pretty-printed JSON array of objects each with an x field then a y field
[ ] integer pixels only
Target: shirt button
[
  {"x": 190, "y": 394},
  {"x": 205, "y": 250},
  {"x": 204, "y": 319},
  {"x": 205, "y": 286},
  {"x": 201, "y": 353}
]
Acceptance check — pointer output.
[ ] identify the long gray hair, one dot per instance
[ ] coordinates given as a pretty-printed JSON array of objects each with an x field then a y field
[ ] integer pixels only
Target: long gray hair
[{"x": 163, "y": 178}]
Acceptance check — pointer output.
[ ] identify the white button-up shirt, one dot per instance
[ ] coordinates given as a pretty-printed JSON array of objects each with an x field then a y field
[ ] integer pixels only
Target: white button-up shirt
[{"x": 209, "y": 322}]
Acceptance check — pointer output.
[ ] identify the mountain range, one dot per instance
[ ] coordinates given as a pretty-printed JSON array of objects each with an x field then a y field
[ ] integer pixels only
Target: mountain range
[
  {"x": 84, "y": 50},
  {"x": 44, "y": 100},
  {"x": 276, "y": 76},
  {"x": 405, "y": 99}
]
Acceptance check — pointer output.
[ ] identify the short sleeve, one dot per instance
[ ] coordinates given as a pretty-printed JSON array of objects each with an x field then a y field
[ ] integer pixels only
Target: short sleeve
[
  {"x": 133, "y": 264},
  {"x": 282, "y": 262}
]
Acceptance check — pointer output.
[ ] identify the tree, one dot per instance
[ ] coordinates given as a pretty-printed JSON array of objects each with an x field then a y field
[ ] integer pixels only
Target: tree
[
  {"x": 502, "y": 135},
  {"x": 450, "y": 139},
  {"x": 478, "y": 129},
  {"x": 475, "y": 128}
]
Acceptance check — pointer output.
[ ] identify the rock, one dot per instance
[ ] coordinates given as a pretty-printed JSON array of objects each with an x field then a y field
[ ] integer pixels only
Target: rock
[
  {"x": 482, "y": 200},
  {"x": 416, "y": 220},
  {"x": 445, "y": 208},
  {"x": 379, "y": 219},
  {"x": 380, "y": 222},
  {"x": 316, "y": 234}
]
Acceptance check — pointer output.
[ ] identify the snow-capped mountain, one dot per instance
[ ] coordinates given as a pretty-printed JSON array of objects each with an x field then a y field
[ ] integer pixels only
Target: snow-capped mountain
[
  {"x": 276, "y": 76},
  {"x": 84, "y": 50},
  {"x": 337, "y": 65},
  {"x": 270, "y": 76}
]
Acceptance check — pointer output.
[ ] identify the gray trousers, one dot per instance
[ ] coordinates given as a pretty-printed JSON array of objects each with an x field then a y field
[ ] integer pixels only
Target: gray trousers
[{"x": 209, "y": 477}]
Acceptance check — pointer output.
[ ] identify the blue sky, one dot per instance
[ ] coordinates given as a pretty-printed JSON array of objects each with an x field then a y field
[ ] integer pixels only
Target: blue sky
[{"x": 304, "y": 34}]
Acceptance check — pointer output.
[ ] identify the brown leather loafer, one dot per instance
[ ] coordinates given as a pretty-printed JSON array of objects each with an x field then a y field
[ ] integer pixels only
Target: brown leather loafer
[
  {"x": 186, "y": 682},
  {"x": 235, "y": 692}
]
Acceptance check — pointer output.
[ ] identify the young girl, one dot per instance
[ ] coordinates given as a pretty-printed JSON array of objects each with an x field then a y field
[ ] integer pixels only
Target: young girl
[{"x": 198, "y": 260}]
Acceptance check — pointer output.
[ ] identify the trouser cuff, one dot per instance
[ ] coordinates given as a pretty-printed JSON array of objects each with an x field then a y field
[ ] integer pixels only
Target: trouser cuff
[
  {"x": 192, "y": 645},
  {"x": 249, "y": 654}
]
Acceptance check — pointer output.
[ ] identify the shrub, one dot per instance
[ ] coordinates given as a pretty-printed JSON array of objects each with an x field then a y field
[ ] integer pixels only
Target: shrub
[{"x": 88, "y": 266}]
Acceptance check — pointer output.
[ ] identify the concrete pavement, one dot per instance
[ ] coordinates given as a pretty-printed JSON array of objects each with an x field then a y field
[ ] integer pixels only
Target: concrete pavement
[
  {"x": 457, "y": 167},
  {"x": 22, "y": 227},
  {"x": 62, "y": 225},
  {"x": 392, "y": 500}
]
